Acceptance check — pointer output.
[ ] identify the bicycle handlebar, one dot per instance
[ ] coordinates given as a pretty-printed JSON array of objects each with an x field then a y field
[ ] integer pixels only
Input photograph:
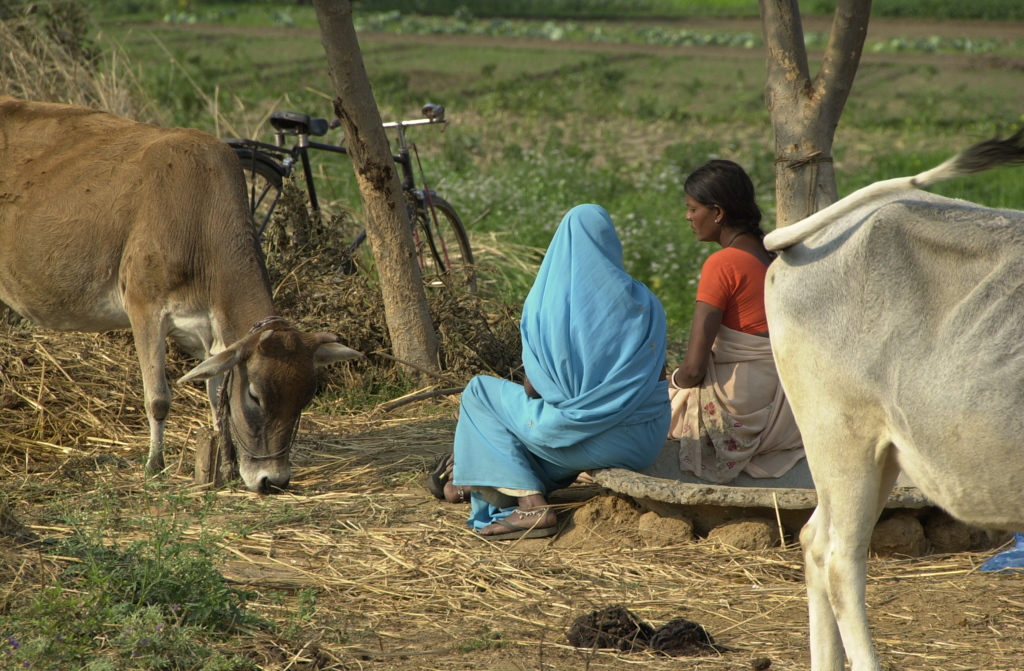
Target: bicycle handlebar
[
  {"x": 433, "y": 113},
  {"x": 395, "y": 124},
  {"x": 413, "y": 122}
]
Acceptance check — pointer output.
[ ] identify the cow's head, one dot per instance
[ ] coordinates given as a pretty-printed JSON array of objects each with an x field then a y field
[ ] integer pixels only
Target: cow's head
[{"x": 269, "y": 377}]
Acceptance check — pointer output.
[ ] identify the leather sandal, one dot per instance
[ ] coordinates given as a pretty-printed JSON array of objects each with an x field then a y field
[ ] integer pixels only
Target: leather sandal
[
  {"x": 516, "y": 532},
  {"x": 440, "y": 473}
]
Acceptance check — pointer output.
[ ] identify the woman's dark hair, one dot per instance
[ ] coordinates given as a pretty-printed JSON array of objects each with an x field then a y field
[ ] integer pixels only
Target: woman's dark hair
[{"x": 727, "y": 185}]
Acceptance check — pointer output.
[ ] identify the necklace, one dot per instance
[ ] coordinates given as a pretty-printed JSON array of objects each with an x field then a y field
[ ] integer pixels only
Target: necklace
[{"x": 733, "y": 238}]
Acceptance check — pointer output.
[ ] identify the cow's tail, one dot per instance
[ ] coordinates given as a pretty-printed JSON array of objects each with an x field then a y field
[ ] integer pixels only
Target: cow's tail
[{"x": 976, "y": 158}]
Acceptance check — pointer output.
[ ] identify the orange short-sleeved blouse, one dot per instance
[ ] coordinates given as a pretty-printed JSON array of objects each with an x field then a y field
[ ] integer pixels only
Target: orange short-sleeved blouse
[{"x": 733, "y": 281}]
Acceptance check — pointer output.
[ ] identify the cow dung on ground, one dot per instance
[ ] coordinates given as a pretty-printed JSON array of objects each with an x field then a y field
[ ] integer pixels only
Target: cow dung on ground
[
  {"x": 658, "y": 531},
  {"x": 901, "y": 534},
  {"x": 946, "y": 535},
  {"x": 601, "y": 521},
  {"x": 616, "y": 627},
  {"x": 683, "y": 638},
  {"x": 747, "y": 534}
]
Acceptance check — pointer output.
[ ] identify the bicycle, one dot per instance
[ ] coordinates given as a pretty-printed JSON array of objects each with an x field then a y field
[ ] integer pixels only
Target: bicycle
[{"x": 442, "y": 244}]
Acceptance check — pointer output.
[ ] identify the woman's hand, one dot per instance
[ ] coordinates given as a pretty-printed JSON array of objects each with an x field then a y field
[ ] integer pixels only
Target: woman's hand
[
  {"x": 707, "y": 319},
  {"x": 530, "y": 391}
]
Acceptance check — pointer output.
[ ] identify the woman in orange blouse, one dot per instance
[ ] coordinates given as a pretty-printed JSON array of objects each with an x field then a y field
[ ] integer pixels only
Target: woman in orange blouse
[{"x": 729, "y": 412}]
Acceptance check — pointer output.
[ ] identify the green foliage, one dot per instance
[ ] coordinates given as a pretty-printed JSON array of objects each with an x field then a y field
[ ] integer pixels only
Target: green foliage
[
  {"x": 300, "y": 620},
  {"x": 488, "y": 640},
  {"x": 996, "y": 10},
  {"x": 154, "y": 603},
  {"x": 557, "y": 30},
  {"x": 595, "y": 30},
  {"x": 590, "y": 9},
  {"x": 287, "y": 12}
]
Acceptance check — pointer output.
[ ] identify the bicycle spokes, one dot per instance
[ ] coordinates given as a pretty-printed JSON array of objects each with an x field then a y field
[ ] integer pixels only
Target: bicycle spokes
[
  {"x": 436, "y": 241},
  {"x": 256, "y": 200}
]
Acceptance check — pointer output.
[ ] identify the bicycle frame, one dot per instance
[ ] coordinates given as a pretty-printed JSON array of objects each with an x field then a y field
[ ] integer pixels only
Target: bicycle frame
[
  {"x": 299, "y": 152},
  {"x": 432, "y": 218}
]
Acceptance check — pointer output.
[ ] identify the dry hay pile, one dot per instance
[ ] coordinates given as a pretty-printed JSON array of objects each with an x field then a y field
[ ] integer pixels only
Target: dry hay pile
[
  {"x": 307, "y": 256},
  {"x": 46, "y": 55},
  {"x": 65, "y": 393},
  {"x": 68, "y": 393}
]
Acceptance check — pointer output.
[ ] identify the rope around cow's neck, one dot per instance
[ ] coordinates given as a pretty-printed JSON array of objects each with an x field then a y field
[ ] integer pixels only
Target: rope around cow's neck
[
  {"x": 266, "y": 320},
  {"x": 226, "y": 425}
]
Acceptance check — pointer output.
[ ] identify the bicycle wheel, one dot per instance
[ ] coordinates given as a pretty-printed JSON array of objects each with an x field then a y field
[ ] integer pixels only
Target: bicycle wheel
[
  {"x": 264, "y": 180},
  {"x": 442, "y": 244}
]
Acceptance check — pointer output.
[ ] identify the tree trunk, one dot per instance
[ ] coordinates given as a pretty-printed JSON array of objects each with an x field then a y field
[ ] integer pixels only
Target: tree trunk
[
  {"x": 387, "y": 216},
  {"x": 805, "y": 112}
]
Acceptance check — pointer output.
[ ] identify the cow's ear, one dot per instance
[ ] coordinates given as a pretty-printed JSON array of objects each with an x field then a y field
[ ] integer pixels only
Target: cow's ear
[
  {"x": 332, "y": 352},
  {"x": 214, "y": 366}
]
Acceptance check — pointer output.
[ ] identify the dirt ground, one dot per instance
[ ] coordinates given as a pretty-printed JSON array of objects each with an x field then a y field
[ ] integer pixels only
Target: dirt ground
[{"x": 401, "y": 584}]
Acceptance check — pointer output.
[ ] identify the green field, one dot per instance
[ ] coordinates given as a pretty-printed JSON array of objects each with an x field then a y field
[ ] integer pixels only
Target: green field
[
  {"x": 590, "y": 9},
  {"x": 540, "y": 124}
]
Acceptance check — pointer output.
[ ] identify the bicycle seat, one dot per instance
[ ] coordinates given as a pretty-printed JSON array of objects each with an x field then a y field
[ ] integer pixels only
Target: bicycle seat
[{"x": 298, "y": 124}]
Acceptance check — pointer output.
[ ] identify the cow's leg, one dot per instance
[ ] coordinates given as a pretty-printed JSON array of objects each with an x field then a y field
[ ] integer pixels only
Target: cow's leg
[
  {"x": 228, "y": 470},
  {"x": 826, "y": 646},
  {"x": 151, "y": 347},
  {"x": 853, "y": 475}
]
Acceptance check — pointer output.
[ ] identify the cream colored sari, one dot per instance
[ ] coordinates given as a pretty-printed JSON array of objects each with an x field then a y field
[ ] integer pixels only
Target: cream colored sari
[{"x": 738, "y": 419}]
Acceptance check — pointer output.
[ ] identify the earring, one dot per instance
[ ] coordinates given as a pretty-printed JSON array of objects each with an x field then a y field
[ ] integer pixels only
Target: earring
[{"x": 718, "y": 221}]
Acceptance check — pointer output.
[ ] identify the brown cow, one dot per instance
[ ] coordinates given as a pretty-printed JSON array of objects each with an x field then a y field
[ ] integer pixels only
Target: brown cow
[{"x": 106, "y": 223}]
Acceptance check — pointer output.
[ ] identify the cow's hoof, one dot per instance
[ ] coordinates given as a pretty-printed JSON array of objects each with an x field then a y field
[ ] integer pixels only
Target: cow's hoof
[
  {"x": 154, "y": 466},
  {"x": 226, "y": 475}
]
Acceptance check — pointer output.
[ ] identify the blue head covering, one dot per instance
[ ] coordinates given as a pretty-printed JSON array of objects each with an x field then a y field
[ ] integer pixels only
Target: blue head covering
[{"x": 593, "y": 337}]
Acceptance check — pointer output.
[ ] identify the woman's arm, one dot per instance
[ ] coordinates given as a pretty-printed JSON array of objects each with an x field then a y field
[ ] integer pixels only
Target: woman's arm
[
  {"x": 530, "y": 391},
  {"x": 706, "y": 321}
]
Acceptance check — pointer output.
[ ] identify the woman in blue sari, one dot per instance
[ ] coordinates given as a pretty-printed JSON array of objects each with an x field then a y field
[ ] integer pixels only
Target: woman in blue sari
[{"x": 595, "y": 394}]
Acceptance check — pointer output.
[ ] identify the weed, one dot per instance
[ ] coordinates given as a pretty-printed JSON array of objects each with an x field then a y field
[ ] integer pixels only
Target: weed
[
  {"x": 489, "y": 640},
  {"x": 299, "y": 621},
  {"x": 158, "y": 602}
]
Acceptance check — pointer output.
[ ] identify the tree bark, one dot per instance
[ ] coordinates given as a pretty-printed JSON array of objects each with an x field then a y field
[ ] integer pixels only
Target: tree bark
[
  {"x": 806, "y": 112},
  {"x": 387, "y": 217}
]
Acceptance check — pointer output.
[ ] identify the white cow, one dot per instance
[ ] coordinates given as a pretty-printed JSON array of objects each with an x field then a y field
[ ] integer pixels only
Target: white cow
[
  {"x": 897, "y": 321},
  {"x": 106, "y": 223}
]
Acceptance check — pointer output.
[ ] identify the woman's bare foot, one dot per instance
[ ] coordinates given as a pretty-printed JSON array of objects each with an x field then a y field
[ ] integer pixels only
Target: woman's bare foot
[
  {"x": 532, "y": 513},
  {"x": 542, "y": 518},
  {"x": 456, "y": 493}
]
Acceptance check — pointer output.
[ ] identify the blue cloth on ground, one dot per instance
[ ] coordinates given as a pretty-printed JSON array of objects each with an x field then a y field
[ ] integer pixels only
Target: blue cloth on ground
[
  {"x": 1009, "y": 560},
  {"x": 593, "y": 348}
]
